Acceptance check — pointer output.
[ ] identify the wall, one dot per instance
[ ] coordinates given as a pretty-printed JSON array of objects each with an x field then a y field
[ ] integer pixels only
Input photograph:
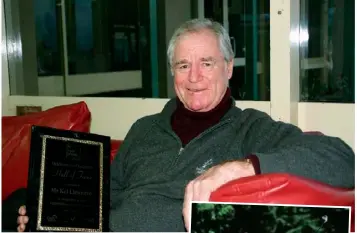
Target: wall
[
  {"x": 331, "y": 119},
  {"x": 119, "y": 111}
]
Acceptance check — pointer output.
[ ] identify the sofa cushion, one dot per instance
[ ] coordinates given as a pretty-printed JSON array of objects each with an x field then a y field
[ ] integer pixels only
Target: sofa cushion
[
  {"x": 115, "y": 144},
  {"x": 16, "y": 132},
  {"x": 281, "y": 188}
]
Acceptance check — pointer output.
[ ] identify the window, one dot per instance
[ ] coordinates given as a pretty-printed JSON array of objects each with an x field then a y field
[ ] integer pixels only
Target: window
[
  {"x": 118, "y": 48},
  {"x": 80, "y": 47},
  {"x": 248, "y": 24},
  {"x": 99, "y": 39},
  {"x": 327, "y": 51},
  {"x": 47, "y": 38}
]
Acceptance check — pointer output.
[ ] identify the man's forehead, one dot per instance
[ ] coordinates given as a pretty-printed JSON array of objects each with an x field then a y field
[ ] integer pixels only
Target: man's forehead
[{"x": 188, "y": 60}]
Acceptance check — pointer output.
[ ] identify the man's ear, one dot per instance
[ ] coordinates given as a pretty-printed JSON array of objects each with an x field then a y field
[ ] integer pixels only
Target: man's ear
[{"x": 230, "y": 68}]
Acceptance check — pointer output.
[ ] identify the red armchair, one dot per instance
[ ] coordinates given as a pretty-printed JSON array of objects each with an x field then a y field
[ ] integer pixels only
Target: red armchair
[
  {"x": 285, "y": 189},
  {"x": 267, "y": 188},
  {"x": 16, "y": 140}
]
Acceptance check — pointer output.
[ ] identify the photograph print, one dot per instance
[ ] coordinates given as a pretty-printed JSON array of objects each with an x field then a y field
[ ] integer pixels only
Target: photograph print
[{"x": 211, "y": 217}]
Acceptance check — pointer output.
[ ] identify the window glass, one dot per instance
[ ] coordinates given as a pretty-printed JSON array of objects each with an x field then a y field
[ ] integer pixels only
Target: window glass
[
  {"x": 327, "y": 55},
  {"x": 248, "y": 23}
]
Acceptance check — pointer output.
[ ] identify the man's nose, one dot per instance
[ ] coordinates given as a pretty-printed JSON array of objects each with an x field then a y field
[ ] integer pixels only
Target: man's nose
[{"x": 195, "y": 74}]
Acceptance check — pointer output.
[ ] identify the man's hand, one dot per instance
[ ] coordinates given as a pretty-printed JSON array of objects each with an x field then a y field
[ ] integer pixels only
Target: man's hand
[
  {"x": 22, "y": 219},
  {"x": 201, "y": 188}
]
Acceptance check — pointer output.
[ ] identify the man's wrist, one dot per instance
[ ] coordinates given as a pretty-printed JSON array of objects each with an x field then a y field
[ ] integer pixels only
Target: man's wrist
[{"x": 253, "y": 160}]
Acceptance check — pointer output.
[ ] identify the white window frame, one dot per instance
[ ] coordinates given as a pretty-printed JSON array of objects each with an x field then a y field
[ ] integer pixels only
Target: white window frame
[{"x": 284, "y": 60}]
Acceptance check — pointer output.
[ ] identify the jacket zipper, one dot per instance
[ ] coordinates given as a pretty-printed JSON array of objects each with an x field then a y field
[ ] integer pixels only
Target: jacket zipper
[
  {"x": 180, "y": 151},
  {"x": 197, "y": 138}
]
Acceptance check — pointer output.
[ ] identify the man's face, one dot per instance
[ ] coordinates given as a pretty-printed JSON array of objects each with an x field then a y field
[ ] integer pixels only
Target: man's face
[{"x": 200, "y": 71}]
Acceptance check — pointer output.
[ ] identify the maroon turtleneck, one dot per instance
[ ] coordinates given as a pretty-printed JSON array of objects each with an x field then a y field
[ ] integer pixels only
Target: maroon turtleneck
[{"x": 187, "y": 124}]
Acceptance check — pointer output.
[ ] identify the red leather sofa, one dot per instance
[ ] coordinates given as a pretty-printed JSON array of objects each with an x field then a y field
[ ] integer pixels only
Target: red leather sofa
[{"x": 266, "y": 188}]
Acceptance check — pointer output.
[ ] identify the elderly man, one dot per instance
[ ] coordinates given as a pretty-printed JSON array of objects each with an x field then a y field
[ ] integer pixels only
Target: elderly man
[{"x": 201, "y": 140}]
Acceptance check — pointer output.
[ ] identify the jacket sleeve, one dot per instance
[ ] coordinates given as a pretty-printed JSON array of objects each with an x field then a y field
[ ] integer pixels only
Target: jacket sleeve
[
  {"x": 282, "y": 147},
  {"x": 117, "y": 169}
]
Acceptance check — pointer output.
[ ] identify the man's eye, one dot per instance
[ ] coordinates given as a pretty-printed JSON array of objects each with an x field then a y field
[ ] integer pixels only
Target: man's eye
[
  {"x": 183, "y": 67},
  {"x": 207, "y": 64}
]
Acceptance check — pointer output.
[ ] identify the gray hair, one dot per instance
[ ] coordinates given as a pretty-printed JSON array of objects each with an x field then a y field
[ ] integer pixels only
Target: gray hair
[{"x": 196, "y": 25}]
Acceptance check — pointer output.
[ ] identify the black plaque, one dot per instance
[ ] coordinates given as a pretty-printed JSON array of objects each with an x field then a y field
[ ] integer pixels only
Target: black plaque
[{"x": 68, "y": 182}]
